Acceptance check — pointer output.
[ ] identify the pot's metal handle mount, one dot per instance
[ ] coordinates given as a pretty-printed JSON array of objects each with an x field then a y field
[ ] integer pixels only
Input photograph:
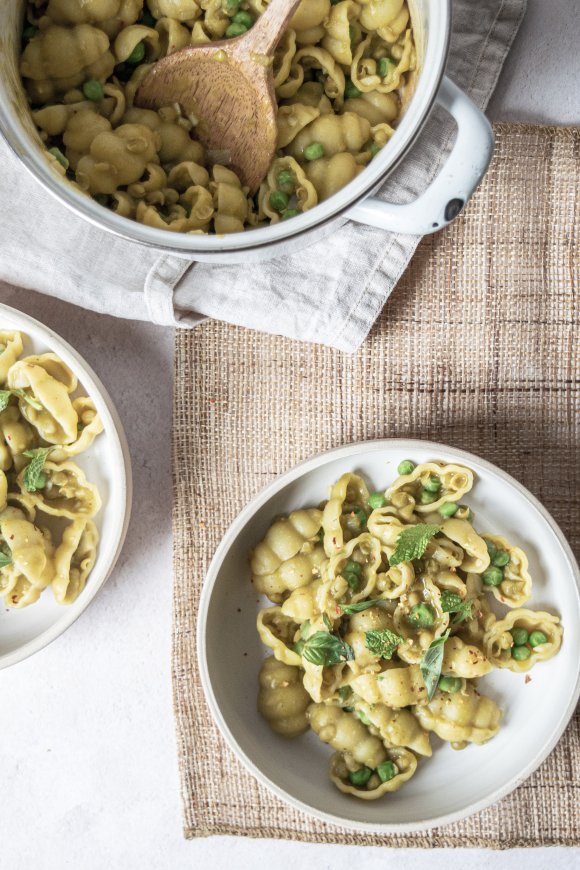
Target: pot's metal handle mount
[{"x": 445, "y": 198}]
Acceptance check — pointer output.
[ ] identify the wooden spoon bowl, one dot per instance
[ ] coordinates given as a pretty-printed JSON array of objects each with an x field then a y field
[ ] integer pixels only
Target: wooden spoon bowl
[{"x": 228, "y": 87}]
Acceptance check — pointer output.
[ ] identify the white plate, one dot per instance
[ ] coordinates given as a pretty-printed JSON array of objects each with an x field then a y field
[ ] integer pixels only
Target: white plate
[
  {"x": 107, "y": 465},
  {"x": 451, "y": 784}
]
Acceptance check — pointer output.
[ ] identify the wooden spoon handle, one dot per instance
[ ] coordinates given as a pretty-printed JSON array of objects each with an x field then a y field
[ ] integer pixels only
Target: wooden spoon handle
[{"x": 266, "y": 32}]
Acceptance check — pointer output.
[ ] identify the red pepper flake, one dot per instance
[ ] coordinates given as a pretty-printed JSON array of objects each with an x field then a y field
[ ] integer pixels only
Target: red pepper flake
[{"x": 528, "y": 679}]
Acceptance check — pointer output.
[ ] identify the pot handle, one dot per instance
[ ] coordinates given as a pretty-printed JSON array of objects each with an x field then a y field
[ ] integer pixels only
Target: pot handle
[{"x": 452, "y": 188}]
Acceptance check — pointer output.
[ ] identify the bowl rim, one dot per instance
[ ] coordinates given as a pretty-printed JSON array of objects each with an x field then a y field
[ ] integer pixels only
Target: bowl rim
[
  {"x": 120, "y": 458},
  {"x": 263, "y": 238},
  {"x": 293, "y": 474}
]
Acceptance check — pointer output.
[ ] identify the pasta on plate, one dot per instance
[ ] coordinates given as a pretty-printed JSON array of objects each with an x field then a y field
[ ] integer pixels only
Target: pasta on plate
[
  {"x": 47, "y": 533},
  {"x": 343, "y": 73},
  {"x": 382, "y": 623}
]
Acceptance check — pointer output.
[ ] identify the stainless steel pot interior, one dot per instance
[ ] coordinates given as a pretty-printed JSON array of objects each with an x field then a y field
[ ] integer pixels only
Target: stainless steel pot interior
[{"x": 432, "y": 23}]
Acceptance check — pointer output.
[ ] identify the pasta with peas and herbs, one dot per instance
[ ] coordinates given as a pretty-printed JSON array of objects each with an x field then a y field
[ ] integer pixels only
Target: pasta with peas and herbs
[
  {"x": 343, "y": 72},
  {"x": 41, "y": 427},
  {"x": 381, "y": 624}
]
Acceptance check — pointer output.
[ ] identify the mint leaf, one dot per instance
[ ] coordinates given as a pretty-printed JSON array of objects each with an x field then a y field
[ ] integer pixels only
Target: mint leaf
[
  {"x": 453, "y": 603},
  {"x": 34, "y": 477},
  {"x": 327, "y": 621},
  {"x": 431, "y": 664},
  {"x": 348, "y": 609},
  {"x": 382, "y": 642},
  {"x": 5, "y": 559},
  {"x": 326, "y": 649},
  {"x": 412, "y": 542}
]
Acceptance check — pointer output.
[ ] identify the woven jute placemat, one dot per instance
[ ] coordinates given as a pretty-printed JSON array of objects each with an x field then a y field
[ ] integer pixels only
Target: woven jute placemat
[{"x": 478, "y": 348}]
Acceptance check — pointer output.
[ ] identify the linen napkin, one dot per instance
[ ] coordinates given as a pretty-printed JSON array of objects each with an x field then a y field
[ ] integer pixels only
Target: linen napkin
[{"x": 331, "y": 292}]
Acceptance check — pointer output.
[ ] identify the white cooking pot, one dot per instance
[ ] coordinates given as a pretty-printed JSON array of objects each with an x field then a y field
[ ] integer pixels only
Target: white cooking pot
[{"x": 434, "y": 209}]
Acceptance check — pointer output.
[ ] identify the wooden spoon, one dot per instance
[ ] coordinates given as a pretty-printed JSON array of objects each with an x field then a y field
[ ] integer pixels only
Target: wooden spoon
[{"x": 228, "y": 86}]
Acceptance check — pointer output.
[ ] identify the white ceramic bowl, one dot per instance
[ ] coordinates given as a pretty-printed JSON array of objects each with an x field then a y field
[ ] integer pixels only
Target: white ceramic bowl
[
  {"x": 107, "y": 464},
  {"x": 451, "y": 784}
]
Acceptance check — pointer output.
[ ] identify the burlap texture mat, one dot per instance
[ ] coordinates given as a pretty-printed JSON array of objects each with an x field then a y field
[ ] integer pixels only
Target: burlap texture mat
[{"x": 478, "y": 348}]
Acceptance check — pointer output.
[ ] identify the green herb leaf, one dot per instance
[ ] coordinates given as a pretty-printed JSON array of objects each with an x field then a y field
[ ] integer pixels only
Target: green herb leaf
[
  {"x": 359, "y": 606},
  {"x": 5, "y": 559},
  {"x": 431, "y": 664},
  {"x": 412, "y": 542},
  {"x": 30, "y": 400},
  {"x": 33, "y": 473},
  {"x": 382, "y": 642},
  {"x": 453, "y": 603},
  {"x": 20, "y": 394},
  {"x": 4, "y": 399},
  {"x": 326, "y": 649},
  {"x": 327, "y": 622}
]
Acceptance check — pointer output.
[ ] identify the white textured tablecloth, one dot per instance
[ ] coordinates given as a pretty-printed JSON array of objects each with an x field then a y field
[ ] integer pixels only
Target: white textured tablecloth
[{"x": 331, "y": 292}]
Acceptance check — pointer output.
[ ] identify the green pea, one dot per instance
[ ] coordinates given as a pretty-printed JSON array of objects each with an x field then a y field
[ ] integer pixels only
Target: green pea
[
  {"x": 377, "y": 500},
  {"x": 449, "y": 509},
  {"x": 353, "y": 580},
  {"x": 387, "y": 770},
  {"x": 363, "y": 718},
  {"x": 520, "y": 653},
  {"x": 344, "y": 692},
  {"x": 537, "y": 638},
  {"x": 432, "y": 484},
  {"x": 361, "y": 776},
  {"x": 279, "y": 200},
  {"x": 231, "y": 6},
  {"x": 137, "y": 54},
  {"x": 374, "y": 149},
  {"x": 298, "y": 647},
  {"x": 93, "y": 90},
  {"x": 235, "y": 30},
  {"x": 41, "y": 480},
  {"x": 28, "y": 33},
  {"x": 290, "y": 213},
  {"x": 405, "y": 467},
  {"x": 147, "y": 19},
  {"x": 314, "y": 151},
  {"x": 500, "y": 558},
  {"x": 286, "y": 181},
  {"x": 56, "y": 152},
  {"x": 350, "y": 90},
  {"x": 492, "y": 576},
  {"x": 243, "y": 18},
  {"x": 383, "y": 66},
  {"x": 427, "y": 497},
  {"x": 491, "y": 548},
  {"x": 520, "y": 636},
  {"x": 451, "y": 685},
  {"x": 421, "y": 616},
  {"x": 353, "y": 567}
]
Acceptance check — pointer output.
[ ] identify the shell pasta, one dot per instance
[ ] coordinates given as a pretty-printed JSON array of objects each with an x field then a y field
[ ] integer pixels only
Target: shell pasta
[
  {"x": 343, "y": 73},
  {"x": 47, "y": 533},
  {"x": 385, "y": 618}
]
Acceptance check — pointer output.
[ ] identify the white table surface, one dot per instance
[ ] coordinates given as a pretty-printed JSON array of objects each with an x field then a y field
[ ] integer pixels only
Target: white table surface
[{"x": 88, "y": 766}]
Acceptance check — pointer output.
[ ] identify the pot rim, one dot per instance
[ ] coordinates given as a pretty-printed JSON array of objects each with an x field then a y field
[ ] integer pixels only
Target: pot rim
[{"x": 383, "y": 164}]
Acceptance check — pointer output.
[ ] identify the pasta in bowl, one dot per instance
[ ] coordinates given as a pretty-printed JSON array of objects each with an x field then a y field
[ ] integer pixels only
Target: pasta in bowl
[
  {"x": 64, "y": 486},
  {"x": 343, "y": 73},
  {"x": 386, "y": 699}
]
